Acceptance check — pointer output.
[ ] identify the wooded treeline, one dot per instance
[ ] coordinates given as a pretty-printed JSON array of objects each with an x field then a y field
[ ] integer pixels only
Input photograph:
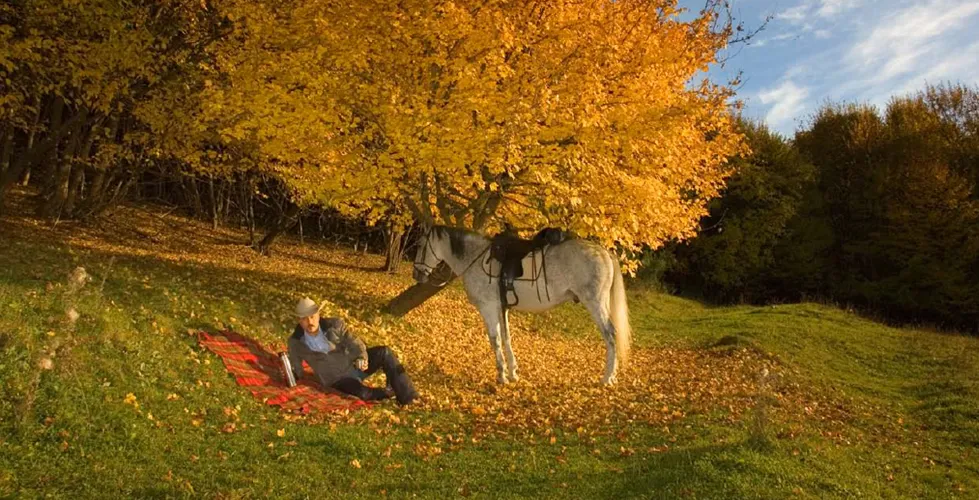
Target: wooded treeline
[{"x": 872, "y": 208}]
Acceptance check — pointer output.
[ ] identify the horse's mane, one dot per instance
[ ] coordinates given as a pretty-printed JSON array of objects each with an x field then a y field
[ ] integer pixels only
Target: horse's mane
[{"x": 457, "y": 238}]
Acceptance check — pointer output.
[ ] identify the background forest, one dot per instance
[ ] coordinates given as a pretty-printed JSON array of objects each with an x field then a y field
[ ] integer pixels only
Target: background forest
[{"x": 870, "y": 208}]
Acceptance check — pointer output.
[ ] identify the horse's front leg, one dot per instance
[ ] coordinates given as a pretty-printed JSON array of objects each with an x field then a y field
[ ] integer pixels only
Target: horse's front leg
[
  {"x": 510, "y": 359},
  {"x": 491, "y": 316}
]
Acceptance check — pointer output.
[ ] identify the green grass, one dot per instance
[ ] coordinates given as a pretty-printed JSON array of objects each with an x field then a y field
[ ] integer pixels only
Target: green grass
[{"x": 908, "y": 429}]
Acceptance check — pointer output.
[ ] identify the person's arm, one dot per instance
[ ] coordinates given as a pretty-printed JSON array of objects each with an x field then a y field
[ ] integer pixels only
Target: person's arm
[
  {"x": 295, "y": 359},
  {"x": 346, "y": 340}
]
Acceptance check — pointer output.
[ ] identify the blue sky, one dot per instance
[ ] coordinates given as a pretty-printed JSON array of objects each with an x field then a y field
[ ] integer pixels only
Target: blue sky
[{"x": 817, "y": 51}]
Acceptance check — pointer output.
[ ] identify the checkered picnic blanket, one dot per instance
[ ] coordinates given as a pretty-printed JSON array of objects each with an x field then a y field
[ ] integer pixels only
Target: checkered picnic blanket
[{"x": 260, "y": 370}]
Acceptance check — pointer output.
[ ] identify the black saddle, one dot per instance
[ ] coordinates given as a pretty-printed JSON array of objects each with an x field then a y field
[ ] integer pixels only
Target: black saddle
[{"x": 510, "y": 250}]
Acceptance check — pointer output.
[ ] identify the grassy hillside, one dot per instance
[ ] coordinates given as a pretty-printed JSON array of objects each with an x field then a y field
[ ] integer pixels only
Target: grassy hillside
[{"x": 792, "y": 400}]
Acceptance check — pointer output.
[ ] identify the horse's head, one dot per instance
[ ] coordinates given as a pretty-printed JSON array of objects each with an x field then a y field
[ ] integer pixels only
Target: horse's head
[{"x": 426, "y": 258}]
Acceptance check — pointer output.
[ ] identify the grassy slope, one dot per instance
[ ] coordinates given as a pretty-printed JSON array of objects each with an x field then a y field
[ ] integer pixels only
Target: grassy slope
[{"x": 906, "y": 426}]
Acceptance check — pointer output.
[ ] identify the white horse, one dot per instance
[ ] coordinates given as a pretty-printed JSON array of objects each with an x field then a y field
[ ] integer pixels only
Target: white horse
[{"x": 574, "y": 269}]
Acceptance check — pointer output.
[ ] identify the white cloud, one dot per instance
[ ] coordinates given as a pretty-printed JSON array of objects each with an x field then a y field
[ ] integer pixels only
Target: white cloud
[
  {"x": 957, "y": 65},
  {"x": 910, "y": 28},
  {"x": 823, "y": 34},
  {"x": 795, "y": 15},
  {"x": 829, "y": 8},
  {"x": 905, "y": 46},
  {"x": 787, "y": 101},
  {"x": 802, "y": 13},
  {"x": 777, "y": 38},
  {"x": 796, "y": 71}
]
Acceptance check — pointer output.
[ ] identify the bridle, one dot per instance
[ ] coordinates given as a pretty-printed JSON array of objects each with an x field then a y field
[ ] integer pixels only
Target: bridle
[{"x": 420, "y": 266}]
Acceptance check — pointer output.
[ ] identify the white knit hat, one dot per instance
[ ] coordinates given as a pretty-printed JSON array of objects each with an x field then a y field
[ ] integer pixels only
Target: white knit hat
[{"x": 306, "y": 307}]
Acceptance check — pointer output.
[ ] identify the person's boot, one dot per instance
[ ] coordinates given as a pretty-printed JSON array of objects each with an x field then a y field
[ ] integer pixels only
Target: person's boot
[
  {"x": 404, "y": 390},
  {"x": 378, "y": 394}
]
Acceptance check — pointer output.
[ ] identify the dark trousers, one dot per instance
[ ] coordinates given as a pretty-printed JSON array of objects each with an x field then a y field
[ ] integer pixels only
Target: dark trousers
[{"x": 380, "y": 358}]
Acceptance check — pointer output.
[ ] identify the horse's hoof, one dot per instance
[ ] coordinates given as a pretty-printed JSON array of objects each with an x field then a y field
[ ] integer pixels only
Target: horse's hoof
[
  {"x": 608, "y": 382},
  {"x": 513, "y": 377},
  {"x": 501, "y": 380}
]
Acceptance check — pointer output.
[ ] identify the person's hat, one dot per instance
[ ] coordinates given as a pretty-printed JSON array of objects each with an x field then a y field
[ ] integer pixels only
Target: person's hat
[{"x": 306, "y": 307}]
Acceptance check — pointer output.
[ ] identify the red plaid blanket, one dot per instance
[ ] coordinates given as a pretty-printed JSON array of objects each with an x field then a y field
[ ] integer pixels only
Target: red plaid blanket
[{"x": 261, "y": 371}]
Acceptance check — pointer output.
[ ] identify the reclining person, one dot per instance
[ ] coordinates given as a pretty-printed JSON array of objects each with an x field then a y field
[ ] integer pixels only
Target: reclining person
[{"x": 341, "y": 360}]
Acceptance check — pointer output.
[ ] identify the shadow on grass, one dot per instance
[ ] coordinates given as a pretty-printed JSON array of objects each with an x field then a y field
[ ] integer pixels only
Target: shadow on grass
[
  {"x": 684, "y": 472},
  {"x": 707, "y": 471}
]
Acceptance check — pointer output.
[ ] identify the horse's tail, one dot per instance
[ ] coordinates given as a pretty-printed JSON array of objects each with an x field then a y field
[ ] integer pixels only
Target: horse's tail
[{"x": 619, "y": 310}]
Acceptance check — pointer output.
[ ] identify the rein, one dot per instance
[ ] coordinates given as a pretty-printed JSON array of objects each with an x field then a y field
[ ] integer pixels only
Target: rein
[{"x": 430, "y": 248}]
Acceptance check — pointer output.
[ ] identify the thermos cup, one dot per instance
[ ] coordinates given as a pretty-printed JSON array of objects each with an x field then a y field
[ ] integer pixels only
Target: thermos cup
[{"x": 287, "y": 366}]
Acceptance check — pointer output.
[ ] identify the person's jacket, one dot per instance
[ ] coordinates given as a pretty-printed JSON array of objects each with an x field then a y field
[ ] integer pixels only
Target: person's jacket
[{"x": 334, "y": 365}]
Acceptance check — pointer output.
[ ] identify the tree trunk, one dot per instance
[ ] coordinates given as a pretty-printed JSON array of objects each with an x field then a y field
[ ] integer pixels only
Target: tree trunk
[
  {"x": 118, "y": 193},
  {"x": 55, "y": 122},
  {"x": 286, "y": 220},
  {"x": 77, "y": 181},
  {"x": 25, "y": 176},
  {"x": 251, "y": 221},
  {"x": 74, "y": 190},
  {"x": 55, "y": 203},
  {"x": 193, "y": 195},
  {"x": 100, "y": 176},
  {"x": 214, "y": 202},
  {"x": 27, "y": 158},
  {"x": 6, "y": 149},
  {"x": 418, "y": 293},
  {"x": 248, "y": 206},
  {"x": 161, "y": 184},
  {"x": 394, "y": 248},
  {"x": 96, "y": 191},
  {"x": 228, "y": 198}
]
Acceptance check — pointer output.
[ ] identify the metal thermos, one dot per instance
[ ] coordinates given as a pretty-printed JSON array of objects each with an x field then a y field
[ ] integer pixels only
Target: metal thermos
[{"x": 287, "y": 366}]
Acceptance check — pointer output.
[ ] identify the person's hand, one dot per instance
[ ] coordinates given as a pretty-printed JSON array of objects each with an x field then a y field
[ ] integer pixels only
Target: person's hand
[{"x": 361, "y": 364}]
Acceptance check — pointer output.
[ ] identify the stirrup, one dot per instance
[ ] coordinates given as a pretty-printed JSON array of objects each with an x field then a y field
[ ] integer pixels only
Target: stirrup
[{"x": 506, "y": 297}]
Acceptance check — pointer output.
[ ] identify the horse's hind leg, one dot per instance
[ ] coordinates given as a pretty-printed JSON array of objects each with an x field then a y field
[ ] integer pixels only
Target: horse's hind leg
[
  {"x": 510, "y": 359},
  {"x": 598, "y": 309},
  {"x": 492, "y": 316}
]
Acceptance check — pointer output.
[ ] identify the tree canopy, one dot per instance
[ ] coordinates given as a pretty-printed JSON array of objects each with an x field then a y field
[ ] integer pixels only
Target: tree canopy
[{"x": 581, "y": 114}]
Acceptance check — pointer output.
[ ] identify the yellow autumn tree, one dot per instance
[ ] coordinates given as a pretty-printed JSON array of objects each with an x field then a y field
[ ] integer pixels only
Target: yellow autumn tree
[
  {"x": 574, "y": 113},
  {"x": 577, "y": 113}
]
